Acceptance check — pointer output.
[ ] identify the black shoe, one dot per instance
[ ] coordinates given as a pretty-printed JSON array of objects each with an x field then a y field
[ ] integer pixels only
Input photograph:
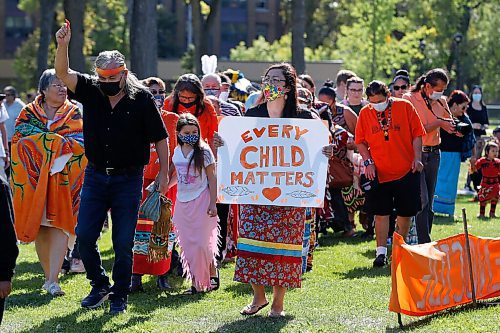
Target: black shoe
[
  {"x": 380, "y": 261},
  {"x": 162, "y": 283},
  {"x": 97, "y": 296},
  {"x": 118, "y": 305},
  {"x": 136, "y": 283}
]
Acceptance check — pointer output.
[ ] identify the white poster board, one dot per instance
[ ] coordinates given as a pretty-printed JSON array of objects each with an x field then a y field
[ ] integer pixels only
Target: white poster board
[{"x": 272, "y": 161}]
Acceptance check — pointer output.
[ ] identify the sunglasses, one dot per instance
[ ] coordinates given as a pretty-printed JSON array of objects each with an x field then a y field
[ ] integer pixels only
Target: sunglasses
[
  {"x": 403, "y": 87},
  {"x": 157, "y": 92},
  {"x": 10, "y": 95}
]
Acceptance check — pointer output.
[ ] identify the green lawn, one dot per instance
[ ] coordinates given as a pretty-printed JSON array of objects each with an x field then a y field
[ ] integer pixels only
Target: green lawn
[{"x": 342, "y": 294}]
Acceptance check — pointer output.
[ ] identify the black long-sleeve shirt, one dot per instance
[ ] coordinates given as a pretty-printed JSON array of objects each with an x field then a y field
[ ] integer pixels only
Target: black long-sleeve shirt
[{"x": 8, "y": 240}]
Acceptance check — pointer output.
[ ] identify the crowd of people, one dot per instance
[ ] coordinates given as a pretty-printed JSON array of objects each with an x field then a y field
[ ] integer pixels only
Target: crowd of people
[{"x": 92, "y": 145}]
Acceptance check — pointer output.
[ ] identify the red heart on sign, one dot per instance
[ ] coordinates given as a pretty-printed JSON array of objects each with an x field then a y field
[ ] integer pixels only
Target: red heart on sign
[{"x": 272, "y": 193}]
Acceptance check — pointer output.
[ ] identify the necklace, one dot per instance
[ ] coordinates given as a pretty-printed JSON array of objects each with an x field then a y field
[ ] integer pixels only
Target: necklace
[{"x": 385, "y": 122}]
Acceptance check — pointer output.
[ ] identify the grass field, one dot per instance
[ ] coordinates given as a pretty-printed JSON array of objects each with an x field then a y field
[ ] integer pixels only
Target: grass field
[{"x": 343, "y": 293}]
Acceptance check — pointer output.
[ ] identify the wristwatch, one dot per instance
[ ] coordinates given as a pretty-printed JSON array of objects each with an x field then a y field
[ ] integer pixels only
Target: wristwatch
[{"x": 368, "y": 162}]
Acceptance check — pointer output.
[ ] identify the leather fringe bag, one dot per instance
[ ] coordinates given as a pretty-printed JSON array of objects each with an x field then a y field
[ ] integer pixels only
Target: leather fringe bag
[{"x": 157, "y": 208}]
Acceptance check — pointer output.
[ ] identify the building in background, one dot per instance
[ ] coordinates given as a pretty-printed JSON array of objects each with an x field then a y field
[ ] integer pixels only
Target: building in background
[
  {"x": 15, "y": 27},
  {"x": 236, "y": 20}
]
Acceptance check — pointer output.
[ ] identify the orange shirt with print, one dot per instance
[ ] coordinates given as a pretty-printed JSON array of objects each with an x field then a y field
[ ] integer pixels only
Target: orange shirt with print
[
  {"x": 208, "y": 118},
  {"x": 440, "y": 108},
  {"x": 153, "y": 168},
  {"x": 393, "y": 158}
]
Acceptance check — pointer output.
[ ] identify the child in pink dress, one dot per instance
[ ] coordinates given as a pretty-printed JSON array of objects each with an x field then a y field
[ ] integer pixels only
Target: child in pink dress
[{"x": 195, "y": 217}]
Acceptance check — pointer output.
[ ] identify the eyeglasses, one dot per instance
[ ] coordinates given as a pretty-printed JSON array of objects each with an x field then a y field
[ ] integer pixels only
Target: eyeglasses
[
  {"x": 157, "y": 92},
  {"x": 403, "y": 87},
  {"x": 274, "y": 80},
  {"x": 58, "y": 86},
  {"x": 10, "y": 95},
  {"x": 355, "y": 90}
]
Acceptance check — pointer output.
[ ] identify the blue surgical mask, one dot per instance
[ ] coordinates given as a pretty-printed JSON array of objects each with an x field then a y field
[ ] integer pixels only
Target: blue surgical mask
[
  {"x": 190, "y": 139},
  {"x": 380, "y": 107},
  {"x": 476, "y": 97}
]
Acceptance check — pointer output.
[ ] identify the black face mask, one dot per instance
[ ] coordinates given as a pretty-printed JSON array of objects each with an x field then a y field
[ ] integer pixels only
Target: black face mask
[
  {"x": 188, "y": 105},
  {"x": 110, "y": 88}
]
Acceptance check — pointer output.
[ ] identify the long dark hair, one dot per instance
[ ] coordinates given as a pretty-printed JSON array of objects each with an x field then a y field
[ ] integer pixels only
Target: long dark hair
[
  {"x": 191, "y": 83},
  {"x": 474, "y": 87},
  {"x": 432, "y": 77},
  {"x": 198, "y": 153},
  {"x": 291, "y": 104}
]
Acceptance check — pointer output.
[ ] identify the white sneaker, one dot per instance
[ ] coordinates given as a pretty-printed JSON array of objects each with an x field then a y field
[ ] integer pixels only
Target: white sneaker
[
  {"x": 45, "y": 285},
  {"x": 55, "y": 290},
  {"x": 77, "y": 266}
]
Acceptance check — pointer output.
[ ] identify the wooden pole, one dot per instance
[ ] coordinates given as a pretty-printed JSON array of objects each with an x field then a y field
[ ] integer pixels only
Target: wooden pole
[{"x": 469, "y": 258}]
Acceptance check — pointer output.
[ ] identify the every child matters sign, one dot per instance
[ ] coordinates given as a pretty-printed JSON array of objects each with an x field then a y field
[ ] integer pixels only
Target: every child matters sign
[{"x": 272, "y": 161}]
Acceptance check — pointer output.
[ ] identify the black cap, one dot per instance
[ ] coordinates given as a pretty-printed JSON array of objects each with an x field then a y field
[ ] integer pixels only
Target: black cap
[{"x": 496, "y": 130}]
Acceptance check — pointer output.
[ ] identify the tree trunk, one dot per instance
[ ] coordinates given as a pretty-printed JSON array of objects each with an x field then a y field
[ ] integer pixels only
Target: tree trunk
[
  {"x": 298, "y": 31},
  {"x": 47, "y": 10},
  {"x": 143, "y": 38},
  {"x": 75, "y": 12},
  {"x": 198, "y": 35},
  {"x": 201, "y": 29}
]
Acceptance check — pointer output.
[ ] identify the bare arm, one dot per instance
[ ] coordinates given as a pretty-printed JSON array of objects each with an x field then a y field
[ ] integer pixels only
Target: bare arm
[
  {"x": 63, "y": 36},
  {"x": 417, "y": 165},
  {"x": 163, "y": 155},
  {"x": 365, "y": 154}
]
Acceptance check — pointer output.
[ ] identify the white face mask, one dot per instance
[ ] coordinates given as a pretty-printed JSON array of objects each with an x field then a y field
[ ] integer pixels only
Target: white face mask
[
  {"x": 380, "y": 107},
  {"x": 224, "y": 96},
  {"x": 436, "y": 95}
]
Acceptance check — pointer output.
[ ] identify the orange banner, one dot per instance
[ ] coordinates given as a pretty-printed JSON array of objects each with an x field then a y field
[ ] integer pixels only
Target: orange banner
[{"x": 431, "y": 277}]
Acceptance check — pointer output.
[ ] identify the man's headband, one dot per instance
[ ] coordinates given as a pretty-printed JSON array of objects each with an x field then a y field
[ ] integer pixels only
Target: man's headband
[{"x": 110, "y": 72}]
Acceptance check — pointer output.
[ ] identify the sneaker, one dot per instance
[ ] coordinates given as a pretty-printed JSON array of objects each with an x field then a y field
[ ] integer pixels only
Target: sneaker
[
  {"x": 45, "y": 285},
  {"x": 77, "y": 266},
  {"x": 136, "y": 283},
  {"x": 162, "y": 283},
  {"x": 118, "y": 305},
  {"x": 97, "y": 296},
  {"x": 55, "y": 290},
  {"x": 380, "y": 261}
]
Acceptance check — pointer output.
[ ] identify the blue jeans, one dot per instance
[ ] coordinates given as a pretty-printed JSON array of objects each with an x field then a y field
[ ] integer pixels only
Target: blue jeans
[
  {"x": 428, "y": 180},
  {"x": 122, "y": 194}
]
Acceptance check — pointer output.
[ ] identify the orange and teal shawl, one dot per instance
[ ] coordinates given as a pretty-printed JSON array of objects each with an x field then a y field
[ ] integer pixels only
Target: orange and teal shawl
[{"x": 48, "y": 164}]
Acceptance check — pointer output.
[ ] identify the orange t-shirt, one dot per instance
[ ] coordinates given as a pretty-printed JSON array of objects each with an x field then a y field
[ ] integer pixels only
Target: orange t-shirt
[
  {"x": 170, "y": 120},
  {"x": 208, "y": 118},
  {"x": 393, "y": 158},
  {"x": 440, "y": 108}
]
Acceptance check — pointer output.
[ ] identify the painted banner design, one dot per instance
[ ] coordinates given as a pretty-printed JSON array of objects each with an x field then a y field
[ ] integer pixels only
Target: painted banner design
[
  {"x": 431, "y": 277},
  {"x": 270, "y": 161}
]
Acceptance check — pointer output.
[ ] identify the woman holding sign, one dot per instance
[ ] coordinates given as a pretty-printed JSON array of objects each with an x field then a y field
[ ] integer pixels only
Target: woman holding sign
[{"x": 271, "y": 236}]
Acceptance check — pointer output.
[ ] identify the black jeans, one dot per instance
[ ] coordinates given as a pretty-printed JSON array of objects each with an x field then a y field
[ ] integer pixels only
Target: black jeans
[
  {"x": 122, "y": 194},
  {"x": 428, "y": 181},
  {"x": 2, "y": 309}
]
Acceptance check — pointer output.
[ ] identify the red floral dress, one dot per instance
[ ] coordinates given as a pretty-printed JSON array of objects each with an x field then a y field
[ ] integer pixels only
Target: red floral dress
[{"x": 270, "y": 245}]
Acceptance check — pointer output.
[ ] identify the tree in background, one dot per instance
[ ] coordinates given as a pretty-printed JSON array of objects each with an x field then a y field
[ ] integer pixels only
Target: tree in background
[
  {"x": 74, "y": 11},
  {"x": 204, "y": 15},
  {"x": 46, "y": 23},
  {"x": 298, "y": 31},
  {"x": 143, "y": 48}
]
